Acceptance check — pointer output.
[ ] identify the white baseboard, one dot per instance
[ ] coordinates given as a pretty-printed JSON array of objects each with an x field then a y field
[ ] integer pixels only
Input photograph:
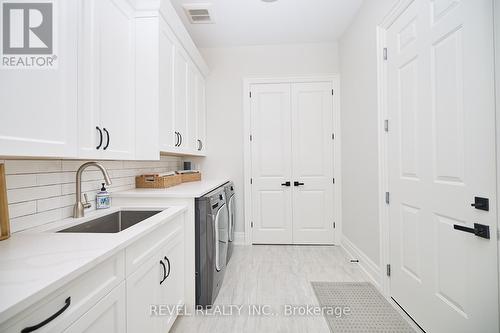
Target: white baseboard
[
  {"x": 369, "y": 268},
  {"x": 239, "y": 238}
]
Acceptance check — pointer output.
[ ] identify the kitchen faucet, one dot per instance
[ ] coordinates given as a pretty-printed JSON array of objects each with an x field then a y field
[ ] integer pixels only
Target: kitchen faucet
[{"x": 78, "y": 210}]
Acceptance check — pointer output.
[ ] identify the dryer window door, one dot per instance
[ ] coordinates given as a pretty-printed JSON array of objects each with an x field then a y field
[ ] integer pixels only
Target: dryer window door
[
  {"x": 232, "y": 216},
  {"x": 221, "y": 237}
]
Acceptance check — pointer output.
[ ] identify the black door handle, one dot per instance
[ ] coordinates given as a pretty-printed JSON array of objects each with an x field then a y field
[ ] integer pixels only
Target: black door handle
[
  {"x": 298, "y": 184},
  {"x": 100, "y": 138},
  {"x": 48, "y": 320},
  {"x": 107, "y": 143},
  {"x": 180, "y": 136},
  {"x": 286, "y": 184},
  {"x": 480, "y": 230},
  {"x": 168, "y": 265},
  {"x": 481, "y": 203}
]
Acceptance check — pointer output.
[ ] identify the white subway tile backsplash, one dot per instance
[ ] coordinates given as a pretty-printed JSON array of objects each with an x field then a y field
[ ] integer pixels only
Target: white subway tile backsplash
[
  {"x": 20, "y": 181},
  {"x": 22, "y": 209},
  {"x": 43, "y": 191},
  {"x": 14, "y": 167},
  {"x": 33, "y": 193}
]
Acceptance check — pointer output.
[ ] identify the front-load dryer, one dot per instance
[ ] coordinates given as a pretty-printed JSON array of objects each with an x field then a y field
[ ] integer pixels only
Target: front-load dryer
[
  {"x": 211, "y": 229},
  {"x": 231, "y": 207}
]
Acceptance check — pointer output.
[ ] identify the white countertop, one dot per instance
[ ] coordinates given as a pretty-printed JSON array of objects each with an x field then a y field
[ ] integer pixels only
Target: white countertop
[
  {"x": 35, "y": 264},
  {"x": 184, "y": 190}
]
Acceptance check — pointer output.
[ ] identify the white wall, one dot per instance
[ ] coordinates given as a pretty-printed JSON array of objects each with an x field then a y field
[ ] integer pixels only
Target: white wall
[
  {"x": 358, "y": 70},
  {"x": 224, "y": 97},
  {"x": 43, "y": 191}
]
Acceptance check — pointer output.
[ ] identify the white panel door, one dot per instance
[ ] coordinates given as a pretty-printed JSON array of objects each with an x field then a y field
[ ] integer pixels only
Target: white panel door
[
  {"x": 271, "y": 164},
  {"x": 108, "y": 315},
  {"x": 38, "y": 107},
  {"x": 312, "y": 163},
  {"x": 441, "y": 155},
  {"x": 107, "y": 86}
]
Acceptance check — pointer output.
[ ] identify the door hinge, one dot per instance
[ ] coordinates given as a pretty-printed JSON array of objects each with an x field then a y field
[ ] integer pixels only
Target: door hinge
[
  {"x": 332, "y": 92},
  {"x": 385, "y": 53},
  {"x": 334, "y": 180},
  {"x": 333, "y": 136},
  {"x": 334, "y": 225},
  {"x": 250, "y": 93},
  {"x": 251, "y": 180},
  {"x": 386, "y": 125},
  {"x": 251, "y": 224},
  {"x": 388, "y": 270},
  {"x": 251, "y": 137},
  {"x": 387, "y": 198}
]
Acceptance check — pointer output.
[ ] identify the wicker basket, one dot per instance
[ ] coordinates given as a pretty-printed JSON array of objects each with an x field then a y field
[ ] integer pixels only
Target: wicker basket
[
  {"x": 157, "y": 181},
  {"x": 191, "y": 177}
]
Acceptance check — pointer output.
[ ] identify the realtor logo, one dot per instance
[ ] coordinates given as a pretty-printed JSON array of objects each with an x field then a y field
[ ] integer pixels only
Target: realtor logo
[{"x": 28, "y": 34}]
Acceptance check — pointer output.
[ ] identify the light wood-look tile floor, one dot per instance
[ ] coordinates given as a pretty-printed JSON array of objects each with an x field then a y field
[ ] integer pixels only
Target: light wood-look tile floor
[{"x": 275, "y": 276}]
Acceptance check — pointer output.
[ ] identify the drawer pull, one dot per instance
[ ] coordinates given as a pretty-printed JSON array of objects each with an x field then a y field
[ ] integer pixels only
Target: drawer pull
[{"x": 48, "y": 320}]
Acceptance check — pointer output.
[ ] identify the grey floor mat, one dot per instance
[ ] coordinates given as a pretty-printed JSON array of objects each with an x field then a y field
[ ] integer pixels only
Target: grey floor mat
[{"x": 358, "y": 307}]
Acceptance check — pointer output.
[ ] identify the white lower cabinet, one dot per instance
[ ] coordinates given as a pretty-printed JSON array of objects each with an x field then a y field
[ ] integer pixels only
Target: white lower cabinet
[
  {"x": 156, "y": 288},
  {"x": 108, "y": 315},
  {"x": 137, "y": 290}
]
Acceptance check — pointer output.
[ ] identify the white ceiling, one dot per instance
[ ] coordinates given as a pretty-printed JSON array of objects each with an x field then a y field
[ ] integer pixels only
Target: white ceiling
[{"x": 254, "y": 22}]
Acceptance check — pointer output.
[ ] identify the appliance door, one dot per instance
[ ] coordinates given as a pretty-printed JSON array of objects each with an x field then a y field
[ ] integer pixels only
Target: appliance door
[
  {"x": 232, "y": 216},
  {"x": 221, "y": 225}
]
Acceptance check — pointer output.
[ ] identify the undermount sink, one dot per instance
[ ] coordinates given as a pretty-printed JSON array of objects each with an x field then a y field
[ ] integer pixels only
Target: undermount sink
[{"x": 112, "y": 223}]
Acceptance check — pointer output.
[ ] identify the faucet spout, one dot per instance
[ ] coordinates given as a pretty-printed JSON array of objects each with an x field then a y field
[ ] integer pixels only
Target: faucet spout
[{"x": 78, "y": 210}]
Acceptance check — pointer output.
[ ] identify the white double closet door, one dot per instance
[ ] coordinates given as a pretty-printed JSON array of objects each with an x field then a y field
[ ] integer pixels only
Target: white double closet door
[{"x": 292, "y": 163}]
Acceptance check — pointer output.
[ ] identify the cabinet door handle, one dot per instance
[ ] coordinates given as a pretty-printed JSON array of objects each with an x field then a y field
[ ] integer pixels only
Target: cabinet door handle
[
  {"x": 168, "y": 265},
  {"x": 180, "y": 136},
  {"x": 48, "y": 320},
  {"x": 107, "y": 142},
  {"x": 164, "y": 272},
  {"x": 176, "y": 139},
  {"x": 100, "y": 138},
  {"x": 200, "y": 145}
]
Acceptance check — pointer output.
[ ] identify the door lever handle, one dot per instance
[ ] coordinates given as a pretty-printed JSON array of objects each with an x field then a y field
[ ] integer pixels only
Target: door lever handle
[
  {"x": 286, "y": 184},
  {"x": 298, "y": 184},
  {"x": 480, "y": 230}
]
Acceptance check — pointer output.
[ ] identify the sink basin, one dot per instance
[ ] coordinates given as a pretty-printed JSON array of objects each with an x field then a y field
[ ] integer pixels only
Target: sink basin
[{"x": 112, "y": 223}]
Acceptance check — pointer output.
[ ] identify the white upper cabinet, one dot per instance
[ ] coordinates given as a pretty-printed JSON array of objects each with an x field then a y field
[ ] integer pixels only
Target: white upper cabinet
[
  {"x": 38, "y": 106},
  {"x": 126, "y": 86},
  {"x": 182, "y": 98},
  {"x": 201, "y": 115},
  {"x": 106, "y": 73},
  {"x": 166, "y": 91}
]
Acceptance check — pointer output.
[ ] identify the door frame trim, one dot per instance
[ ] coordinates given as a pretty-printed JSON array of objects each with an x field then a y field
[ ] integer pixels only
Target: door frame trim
[
  {"x": 383, "y": 162},
  {"x": 247, "y": 158}
]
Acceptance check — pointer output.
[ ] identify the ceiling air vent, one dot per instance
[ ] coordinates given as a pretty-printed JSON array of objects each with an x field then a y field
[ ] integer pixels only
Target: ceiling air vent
[{"x": 199, "y": 13}]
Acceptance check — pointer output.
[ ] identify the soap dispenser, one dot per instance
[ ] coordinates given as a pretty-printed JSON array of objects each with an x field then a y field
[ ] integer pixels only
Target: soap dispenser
[{"x": 103, "y": 199}]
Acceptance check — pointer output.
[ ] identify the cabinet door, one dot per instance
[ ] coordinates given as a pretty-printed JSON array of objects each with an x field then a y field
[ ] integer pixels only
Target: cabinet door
[
  {"x": 143, "y": 293},
  {"x": 180, "y": 98},
  {"x": 201, "y": 118},
  {"x": 192, "y": 135},
  {"x": 107, "y": 80},
  {"x": 108, "y": 315},
  {"x": 167, "y": 54},
  {"x": 38, "y": 107},
  {"x": 172, "y": 288}
]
